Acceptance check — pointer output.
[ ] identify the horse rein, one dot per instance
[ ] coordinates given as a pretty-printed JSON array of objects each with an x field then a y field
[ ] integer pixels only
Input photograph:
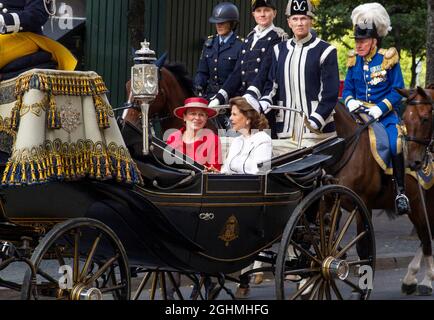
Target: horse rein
[{"x": 429, "y": 142}]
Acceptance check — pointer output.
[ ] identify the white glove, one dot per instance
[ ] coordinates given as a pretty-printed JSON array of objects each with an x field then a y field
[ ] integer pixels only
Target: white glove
[
  {"x": 313, "y": 124},
  {"x": 253, "y": 102},
  {"x": 375, "y": 112},
  {"x": 264, "y": 105},
  {"x": 354, "y": 104},
  {"x": 214, "y": 103}
]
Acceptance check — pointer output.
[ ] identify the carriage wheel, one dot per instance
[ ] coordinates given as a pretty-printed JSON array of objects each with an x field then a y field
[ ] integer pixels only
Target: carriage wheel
[
  {"x": 166, "y": 285},
  {"x": 327, "y": 250},
  {"x": 80, "y": 259}
]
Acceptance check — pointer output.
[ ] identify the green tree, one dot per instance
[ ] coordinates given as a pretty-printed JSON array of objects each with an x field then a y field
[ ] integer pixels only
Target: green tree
[{"x": 409, "y": 31}]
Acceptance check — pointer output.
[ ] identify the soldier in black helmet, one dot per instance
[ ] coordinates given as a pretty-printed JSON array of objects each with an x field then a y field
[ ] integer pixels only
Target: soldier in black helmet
[
  {"x": 253, "y": 65},
  {"x": 220, "y": 51}
]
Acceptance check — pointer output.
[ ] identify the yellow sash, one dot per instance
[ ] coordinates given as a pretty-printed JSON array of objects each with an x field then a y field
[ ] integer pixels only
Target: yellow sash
[{"x": 17, "y": 45}]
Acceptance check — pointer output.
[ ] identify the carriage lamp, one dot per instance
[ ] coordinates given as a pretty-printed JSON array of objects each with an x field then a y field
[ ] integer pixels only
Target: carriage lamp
[
  {"x": 144, "y": 85},
  {"x": 144, "y": 74}
]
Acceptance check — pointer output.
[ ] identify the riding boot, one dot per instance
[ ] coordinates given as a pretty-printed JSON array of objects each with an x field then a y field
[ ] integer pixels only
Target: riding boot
[{"x": 402, "y": 204}]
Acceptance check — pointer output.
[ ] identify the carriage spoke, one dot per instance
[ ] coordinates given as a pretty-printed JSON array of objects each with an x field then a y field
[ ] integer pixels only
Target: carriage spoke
[
  {"x": 154, "y": 285},
  {"x": 349, "y": 245},
  {"x": 365, "y": 261},
  {"x": 102, "y": 269},
  {"x": 47, "y": 276},
  {"x": 334, "y": 213},
  {"x": 336, "y": 290},
  {"x": 76, "y": 255},
  {"x": 315, "y": 289},
  {"x": 110, "y": 289},
  {"x": 142, "y": 285},
  {"x": 352, "y": 285},
  {"x": 322, "y": 235},
  {"x": 307, "y": 253},
  {"x": 90, "y": 257},
  {"x": 327, "y": 291},
  {"x": 322, "y": 290},
  {"x": 175, "y": 286},
  {"x": 305, "y": 270},
  {"x": 315, "y": 245},
  {"x": 163, "y": 285},
  {"x": 303, "y": 288},
  {"x": 343, "y": 231}
]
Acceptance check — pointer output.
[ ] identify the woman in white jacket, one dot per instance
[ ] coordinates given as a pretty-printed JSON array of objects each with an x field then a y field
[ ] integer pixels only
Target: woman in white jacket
[{"x": 249, "y": 152}]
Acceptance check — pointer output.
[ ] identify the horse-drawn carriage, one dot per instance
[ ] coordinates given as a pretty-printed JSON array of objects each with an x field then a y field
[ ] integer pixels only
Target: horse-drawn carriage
[{"x": 81, "y": 214}]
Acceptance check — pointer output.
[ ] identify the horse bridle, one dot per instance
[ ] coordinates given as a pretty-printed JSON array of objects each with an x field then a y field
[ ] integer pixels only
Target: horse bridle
[{"x": 429, "y": 142}]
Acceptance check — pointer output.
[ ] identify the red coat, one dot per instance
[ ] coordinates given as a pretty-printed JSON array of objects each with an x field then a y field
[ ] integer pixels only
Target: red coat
[{"x": 205, "y": 151}]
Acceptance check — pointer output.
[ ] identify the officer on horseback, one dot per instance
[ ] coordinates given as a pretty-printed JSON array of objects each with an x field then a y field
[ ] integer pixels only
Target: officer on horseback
[
  {"x": 220, "y": 52},
  {"x": 372, "y": 76},
  {"x": 22, "y": 45}
]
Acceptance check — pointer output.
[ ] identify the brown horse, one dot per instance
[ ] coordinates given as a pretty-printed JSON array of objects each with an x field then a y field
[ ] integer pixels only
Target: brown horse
[
  {"x": 418, "y": 118},
  {"x": 359, "y": 171}
]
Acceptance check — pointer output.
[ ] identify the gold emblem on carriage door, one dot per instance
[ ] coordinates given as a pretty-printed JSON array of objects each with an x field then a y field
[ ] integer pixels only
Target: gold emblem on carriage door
[{"x": 230, "y": 230}]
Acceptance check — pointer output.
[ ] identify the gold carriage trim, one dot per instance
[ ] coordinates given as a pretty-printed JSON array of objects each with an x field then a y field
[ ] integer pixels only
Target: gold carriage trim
[
  {"x": 56, "y": 160},
  {"x": 62, "y": 84}
]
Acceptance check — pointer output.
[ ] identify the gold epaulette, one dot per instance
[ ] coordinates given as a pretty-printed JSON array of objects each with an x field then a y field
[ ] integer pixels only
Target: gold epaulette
[
  {"x": 211, "y": 36},
  {"x": 391, "y": 57},
  {"x": 351, "y": 62}
]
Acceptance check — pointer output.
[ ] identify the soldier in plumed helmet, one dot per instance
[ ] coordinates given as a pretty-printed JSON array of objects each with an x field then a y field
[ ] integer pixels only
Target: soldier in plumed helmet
[
  {"x": 22, "y": 44},
  {"x": 220, "y": 52},
  {"x": 373, "y": 74},
  {"x": 253, "y": 65},
  {"x": 304, "y": 75}
]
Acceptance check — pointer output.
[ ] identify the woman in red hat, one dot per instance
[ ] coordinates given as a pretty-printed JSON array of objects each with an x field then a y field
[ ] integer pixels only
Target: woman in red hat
[{"x": 194, "y": 140}]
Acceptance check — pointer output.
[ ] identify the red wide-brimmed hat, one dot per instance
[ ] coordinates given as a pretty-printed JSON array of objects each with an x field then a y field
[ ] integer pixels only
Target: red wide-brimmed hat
[{"x": 199, "y": 103}]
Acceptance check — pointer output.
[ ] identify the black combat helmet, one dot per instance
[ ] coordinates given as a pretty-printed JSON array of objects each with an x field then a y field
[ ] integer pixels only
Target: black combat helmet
[{"x": 224, "y": 12}]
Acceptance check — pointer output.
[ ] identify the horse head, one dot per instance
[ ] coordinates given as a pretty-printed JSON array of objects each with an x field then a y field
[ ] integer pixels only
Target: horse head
[{"x": 418, "y": 119}]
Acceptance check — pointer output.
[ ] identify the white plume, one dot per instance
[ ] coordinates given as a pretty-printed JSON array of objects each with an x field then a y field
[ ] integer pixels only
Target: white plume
[{"x": 372, "y": 13}]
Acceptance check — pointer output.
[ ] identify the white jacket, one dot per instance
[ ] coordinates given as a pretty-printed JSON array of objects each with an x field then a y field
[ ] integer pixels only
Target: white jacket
[{"x": 245, "y": 153}]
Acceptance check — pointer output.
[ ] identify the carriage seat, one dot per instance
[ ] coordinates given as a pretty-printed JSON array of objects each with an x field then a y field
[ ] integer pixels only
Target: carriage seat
[
  {"x": 37, "y": 60},
  {"x": 164, "y": 178}
]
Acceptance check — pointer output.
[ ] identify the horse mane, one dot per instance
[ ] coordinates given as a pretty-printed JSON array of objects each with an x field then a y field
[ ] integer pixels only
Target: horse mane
[{"x": 182, "y": 76}]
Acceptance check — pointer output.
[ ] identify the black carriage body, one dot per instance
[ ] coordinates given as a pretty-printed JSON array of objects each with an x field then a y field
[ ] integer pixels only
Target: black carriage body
[
  {"x": 217, "y": 224},
  {"x": 213, "y": 223}
]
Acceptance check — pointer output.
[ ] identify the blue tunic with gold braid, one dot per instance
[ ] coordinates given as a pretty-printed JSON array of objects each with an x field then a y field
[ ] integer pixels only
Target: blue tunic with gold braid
[{"x": 372, "y": 80}]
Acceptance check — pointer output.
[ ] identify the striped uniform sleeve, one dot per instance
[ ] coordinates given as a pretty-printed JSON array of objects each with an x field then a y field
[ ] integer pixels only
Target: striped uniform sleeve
[{"x": 329, "y": 93}]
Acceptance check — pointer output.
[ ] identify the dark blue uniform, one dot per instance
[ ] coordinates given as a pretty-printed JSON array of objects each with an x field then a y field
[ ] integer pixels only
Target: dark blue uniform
[
  {"x": 252, "y": 67},
  {"x": 373, "y": 81},
  {"x": 216, "y": 64},
  {"x": 22, "y": 16}
]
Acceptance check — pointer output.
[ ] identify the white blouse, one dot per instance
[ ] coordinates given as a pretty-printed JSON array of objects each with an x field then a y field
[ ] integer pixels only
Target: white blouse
[{"x": 245, "y": 153}]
